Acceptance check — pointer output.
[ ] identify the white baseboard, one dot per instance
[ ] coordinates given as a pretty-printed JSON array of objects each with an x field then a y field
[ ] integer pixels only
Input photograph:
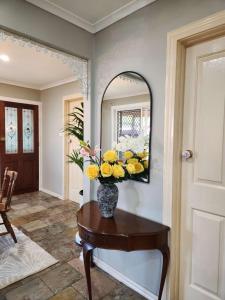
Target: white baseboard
[
  {"x": 51, "y": 193},
  {"x": 128, "y": 282}
]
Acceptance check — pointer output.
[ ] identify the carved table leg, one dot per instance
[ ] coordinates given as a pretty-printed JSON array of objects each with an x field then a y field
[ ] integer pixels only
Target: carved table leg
[
  {"x": 87, "y": 255},
  {"x": 166, "y": 258}
]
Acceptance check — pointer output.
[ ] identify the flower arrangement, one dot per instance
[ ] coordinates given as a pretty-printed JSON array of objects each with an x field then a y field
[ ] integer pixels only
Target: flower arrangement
[{"x": 110, "y": 169}]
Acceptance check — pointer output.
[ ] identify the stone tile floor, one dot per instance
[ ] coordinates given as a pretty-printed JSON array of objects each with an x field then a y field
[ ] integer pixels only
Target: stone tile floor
[{"x": 51, "y": 223}]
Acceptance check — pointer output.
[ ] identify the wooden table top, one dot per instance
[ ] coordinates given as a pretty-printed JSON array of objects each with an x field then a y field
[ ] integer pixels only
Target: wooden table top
[{"x": 122, "y": 224}]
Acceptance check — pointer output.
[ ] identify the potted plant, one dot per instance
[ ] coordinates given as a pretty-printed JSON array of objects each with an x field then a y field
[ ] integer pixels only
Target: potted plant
[{"x": 75, "y": 128}]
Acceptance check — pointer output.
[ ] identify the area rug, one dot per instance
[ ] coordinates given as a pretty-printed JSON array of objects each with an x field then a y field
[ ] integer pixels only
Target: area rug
[{"x": 22, "y": 259}]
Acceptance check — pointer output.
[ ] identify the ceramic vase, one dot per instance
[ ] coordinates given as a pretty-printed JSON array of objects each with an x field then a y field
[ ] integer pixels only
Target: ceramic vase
[{"x": 107, "y": 195}]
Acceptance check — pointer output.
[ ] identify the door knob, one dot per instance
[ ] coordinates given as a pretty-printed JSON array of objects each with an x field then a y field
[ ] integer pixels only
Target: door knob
[
  {"x": 186, "y": 154},
  {"x": 2, "y": 139}
]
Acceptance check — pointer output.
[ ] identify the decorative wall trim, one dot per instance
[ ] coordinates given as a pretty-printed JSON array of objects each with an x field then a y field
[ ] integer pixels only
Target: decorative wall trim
[
  {"x": 81, "y": 70},
  {"x": 76, "y": 64},
  {"x": 83, "y": 23},
  {"x": 125, "y": 280},
  {"x": 177, "y": 42},
  {"x": 51, "y": 193}
]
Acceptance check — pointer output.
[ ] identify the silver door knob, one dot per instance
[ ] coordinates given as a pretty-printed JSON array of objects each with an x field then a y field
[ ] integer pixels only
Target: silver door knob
[{"x": 186, "y": 154}]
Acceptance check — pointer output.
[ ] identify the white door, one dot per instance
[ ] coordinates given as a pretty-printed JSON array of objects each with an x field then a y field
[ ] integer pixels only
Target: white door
[
  {"x": 202, "y": 257},
  {"x": 75, "y": 174}
]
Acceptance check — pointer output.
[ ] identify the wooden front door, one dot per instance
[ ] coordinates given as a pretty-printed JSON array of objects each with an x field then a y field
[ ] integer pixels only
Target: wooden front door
[
  {"x": 202, "y": 257},
  {"x": 19, "y": 144}
]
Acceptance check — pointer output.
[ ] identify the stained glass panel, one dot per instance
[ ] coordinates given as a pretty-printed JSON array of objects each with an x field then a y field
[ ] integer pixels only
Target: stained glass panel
[
  {"x": 11, "y": 130},
  {"x": 28, "y": 130},
  {"x": 128, "y": 123}
]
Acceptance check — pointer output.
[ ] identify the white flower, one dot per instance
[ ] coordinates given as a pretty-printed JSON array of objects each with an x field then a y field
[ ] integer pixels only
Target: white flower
[{"x": 137, "y": 144}]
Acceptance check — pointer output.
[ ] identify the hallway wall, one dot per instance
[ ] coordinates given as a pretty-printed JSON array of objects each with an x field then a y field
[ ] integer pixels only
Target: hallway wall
[{"x": 138, "y": 43}]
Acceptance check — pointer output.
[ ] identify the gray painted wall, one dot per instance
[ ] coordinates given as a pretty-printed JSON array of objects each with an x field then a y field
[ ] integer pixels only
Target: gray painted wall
[
  {"x": 53, "y": 141},
  {"x": 138, "y": 43},
  {"x": 13, "y": 91},
  {"x": 26, "y": 18}
]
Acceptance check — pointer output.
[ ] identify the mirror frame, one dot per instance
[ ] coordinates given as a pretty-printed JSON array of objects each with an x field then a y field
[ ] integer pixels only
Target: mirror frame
[{"x": 151, "y": 106}]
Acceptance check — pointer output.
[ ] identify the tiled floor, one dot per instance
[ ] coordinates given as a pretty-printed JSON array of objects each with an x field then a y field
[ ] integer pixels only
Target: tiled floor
[{"x": 52, "y": 224}]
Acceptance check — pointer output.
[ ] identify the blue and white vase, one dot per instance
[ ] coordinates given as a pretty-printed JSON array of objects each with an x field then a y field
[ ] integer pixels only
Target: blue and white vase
[{"x": 107, "y": 195}]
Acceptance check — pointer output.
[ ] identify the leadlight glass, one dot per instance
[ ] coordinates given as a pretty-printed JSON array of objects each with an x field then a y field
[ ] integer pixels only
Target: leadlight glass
[
  {"x": 28, "y": 130},
  {"x": 11, "y": 130},
  {"x": 128, "y": 123}
]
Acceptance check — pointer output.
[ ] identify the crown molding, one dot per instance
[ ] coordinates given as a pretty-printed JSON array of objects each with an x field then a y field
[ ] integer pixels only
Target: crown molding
[
  {"x": 63, "y": 14},
  {"x": 121, "y": 13},
  {"x": 83, "y": 23},
  {"x": 39, "y": 88},
  {"x": 16, "y": 83},
  {"x": 57, "y": 83}
]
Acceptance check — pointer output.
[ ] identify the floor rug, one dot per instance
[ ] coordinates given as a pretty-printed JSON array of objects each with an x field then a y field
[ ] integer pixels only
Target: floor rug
[{"x": 22, "y": 259}]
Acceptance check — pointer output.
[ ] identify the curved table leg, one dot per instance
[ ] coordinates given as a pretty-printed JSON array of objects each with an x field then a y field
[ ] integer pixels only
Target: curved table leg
[
  {"x": 166, "y": 258},
  {"x": 87, "y": 255}
]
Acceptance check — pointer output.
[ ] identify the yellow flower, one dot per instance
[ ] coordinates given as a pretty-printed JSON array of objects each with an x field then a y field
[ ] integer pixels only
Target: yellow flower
[
  {"x": 120, "y": 162},
  {"x": 138, "y": 168},
  {"x": 142, "y": 154},
  {"x": 146, "y": 164},
  {"x": 132, "y": 161},
  {"x": 130, "y": 168},
  {"x": 92, "y": 172},
  {"x": 118, "y": 171},
  {"x": 110, "y": 156},
  {"x": 106, "y": 170},
  {"x": 128, "y": 154}
]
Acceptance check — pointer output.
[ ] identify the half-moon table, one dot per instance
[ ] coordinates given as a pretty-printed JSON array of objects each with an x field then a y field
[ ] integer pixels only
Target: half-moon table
[{"x": 125, "y": 232}]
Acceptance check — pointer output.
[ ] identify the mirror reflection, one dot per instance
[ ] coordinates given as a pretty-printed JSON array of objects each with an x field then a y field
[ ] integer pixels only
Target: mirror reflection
[{"x": 126, "y": 117}]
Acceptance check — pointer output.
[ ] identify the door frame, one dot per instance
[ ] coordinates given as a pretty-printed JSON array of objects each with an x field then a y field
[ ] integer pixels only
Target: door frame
[
  {"x": 39, "y": 104},
  {"x": 66, "y": 100},
  {"x": 178, "y": 40}
]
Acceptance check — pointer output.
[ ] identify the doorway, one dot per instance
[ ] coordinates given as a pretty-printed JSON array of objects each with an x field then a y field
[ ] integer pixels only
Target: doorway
[
  {"x": 179, "y": 41},
  {"x": 73, "y": 176},
  {"x": 202, "y": 245},
  {"x": 19, "y": 149}
]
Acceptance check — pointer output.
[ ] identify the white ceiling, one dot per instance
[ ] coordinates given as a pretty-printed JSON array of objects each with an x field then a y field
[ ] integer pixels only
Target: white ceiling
[
  {"x": 91, "y": 15},
  {"x": 123, "y": 86},
  {"x": 32, "y": 69}
]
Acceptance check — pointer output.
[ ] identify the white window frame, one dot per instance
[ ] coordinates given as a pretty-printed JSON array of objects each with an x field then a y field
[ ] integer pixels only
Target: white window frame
[{"x": 116, "y": 108}]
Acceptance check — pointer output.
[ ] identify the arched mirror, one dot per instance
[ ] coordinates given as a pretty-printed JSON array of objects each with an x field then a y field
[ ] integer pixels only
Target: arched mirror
[{"x": 126, "y": 117}]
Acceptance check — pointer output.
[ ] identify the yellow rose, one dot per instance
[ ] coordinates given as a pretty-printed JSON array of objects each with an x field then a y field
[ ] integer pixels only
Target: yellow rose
[
  {"x": 146, "y": 164},
  {"x": 110, "y": 156},
  {"x": 138, "y": 168},
  {"x": 106, "y": 170},
  {"x": 120, "y": 162},
  {"x": 142, "y": 154},
  {"x": 92, "y": 172},
  {"x": 132, "y": 161},
  {"x": 128, "y": 154},
  {"x": 118, "y": 171},
  {"x": 130, "y": 168}
]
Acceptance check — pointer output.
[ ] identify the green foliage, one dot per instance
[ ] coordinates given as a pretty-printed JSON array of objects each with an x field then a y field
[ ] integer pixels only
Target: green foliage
[
  {"x": 76, "y": 128},
  {"x": 76, "y": 158}
]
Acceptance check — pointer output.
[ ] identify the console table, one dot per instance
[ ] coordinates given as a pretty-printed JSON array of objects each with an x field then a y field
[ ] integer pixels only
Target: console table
[{"x": 125, "y": 231}]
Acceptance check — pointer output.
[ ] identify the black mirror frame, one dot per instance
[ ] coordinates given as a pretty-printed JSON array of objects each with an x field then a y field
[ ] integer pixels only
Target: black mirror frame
[{"x": 151, "y": 106}]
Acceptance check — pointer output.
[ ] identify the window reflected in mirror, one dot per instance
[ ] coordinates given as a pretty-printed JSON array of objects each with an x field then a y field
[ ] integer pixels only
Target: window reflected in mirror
[{"x": 126, "y": 116}]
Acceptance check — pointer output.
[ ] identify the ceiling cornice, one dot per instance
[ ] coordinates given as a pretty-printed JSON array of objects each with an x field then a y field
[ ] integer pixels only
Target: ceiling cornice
[
  {"x": 37, "y": 87},
  {"x": 120, "y": 13},
  {"x": 91, "y": 27}
]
